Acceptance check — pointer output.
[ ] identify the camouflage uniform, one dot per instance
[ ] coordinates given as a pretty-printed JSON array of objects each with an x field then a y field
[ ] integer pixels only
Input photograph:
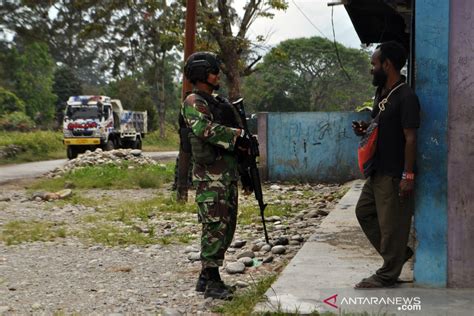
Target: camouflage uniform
[{"x": 214, "y": 174}]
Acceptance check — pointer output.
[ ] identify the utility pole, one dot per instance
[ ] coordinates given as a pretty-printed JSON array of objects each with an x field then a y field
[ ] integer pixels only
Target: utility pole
[
  {"x": 184, "y": 158},
  {"x": 189, "y": 38}
]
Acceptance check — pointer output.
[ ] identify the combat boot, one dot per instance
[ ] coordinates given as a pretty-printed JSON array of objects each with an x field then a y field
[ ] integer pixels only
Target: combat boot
[
  {"x": 202, "y": 282},
  {"x": 218, "y": 290}
]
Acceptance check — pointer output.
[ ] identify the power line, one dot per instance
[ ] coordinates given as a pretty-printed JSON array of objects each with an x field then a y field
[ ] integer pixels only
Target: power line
[
  {"x": 335, "y": 45},
  {"x": 308, "y": 19},
  {"x": 324, "y": 35}
]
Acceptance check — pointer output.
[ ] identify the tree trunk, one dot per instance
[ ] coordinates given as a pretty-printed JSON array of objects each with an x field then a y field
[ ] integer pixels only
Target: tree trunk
[
  {"x": 232, "y": 74},
  {"x": 162, "y": 105},
  {"x": 158, "y": 91}
]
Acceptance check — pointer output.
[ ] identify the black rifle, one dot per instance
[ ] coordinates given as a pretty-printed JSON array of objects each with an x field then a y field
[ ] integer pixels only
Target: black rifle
[{"x": 252, "y": 168}]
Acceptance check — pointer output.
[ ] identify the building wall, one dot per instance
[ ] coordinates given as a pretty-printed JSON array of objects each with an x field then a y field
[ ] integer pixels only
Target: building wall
[
  {"x": 431, "y": 82},
  {"x": 461, "y": 146},
  {"x": 311, "y": 146}
]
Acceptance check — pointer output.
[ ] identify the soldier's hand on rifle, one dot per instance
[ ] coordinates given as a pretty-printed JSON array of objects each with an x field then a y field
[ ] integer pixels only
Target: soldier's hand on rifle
[
  {"x": 243, "y": 142},
  {"x": 247, "y": 185}
]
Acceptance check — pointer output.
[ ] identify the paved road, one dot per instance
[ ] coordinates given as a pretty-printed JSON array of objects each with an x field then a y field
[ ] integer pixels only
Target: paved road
[{"x": 35, "y": 169}]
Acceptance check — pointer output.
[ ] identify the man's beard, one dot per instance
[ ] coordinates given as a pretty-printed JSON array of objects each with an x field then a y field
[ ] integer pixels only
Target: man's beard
[
  {"x": 214, "y": 87},
  {"x": 379, "y": 78}
]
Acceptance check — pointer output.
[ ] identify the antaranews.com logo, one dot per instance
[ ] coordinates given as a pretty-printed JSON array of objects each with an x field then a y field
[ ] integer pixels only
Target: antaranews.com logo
[{"x": 400, "y": 302}]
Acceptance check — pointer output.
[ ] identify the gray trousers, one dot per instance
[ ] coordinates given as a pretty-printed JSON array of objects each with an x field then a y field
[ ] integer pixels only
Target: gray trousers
[{"x": 385, "y": 218}]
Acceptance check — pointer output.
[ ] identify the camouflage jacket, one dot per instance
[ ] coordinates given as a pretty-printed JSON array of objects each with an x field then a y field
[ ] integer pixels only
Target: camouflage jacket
[{"x": 212, "y": 140}]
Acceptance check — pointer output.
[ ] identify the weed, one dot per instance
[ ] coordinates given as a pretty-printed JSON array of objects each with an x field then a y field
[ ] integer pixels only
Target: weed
[
  {"x": 115, "y": 235},
  {"x": 147, "y": 209},
  {"x": 244, "y": 302},
  {"x": 251, "y": 213},
  {"x": 17, "y": 232}
]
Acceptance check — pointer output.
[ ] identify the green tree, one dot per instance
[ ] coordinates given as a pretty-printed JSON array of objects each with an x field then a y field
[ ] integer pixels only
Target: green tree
[
  {"x": 151, "y": 31},
  {"x": 66, "y": 27},
  {"x": 304, "y": 75},
  {"x": 134, "y": 96},
  {"x": 7, "y": 65},
  {"x": 65, "y": 84},
  {"x": 224, "y": 28},
  {"x": 34, "y": 82}
]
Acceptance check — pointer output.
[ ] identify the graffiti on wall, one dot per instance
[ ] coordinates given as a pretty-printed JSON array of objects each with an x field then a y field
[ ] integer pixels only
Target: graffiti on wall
[{"x": 312, "y": 146}]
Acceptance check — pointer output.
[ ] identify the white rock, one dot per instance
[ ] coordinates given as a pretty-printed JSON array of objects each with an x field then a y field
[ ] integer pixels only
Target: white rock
[
  {"x": 235, "y": 267},
  {"x": 266, "y": 248},
  {"x": 275, "y": 187},
  {"x": 189, "y": 249},
  {"x": 136, "y": 152},
  {"x": 247, "y": 261},
  {"x": 36, "y": 305},
  {"x": 241, "y": 284},
  {"x": 249, "y": 254},
  {"x": 280, "y": 227},
  {"x": 194, "y": 256},
  {"x": 273, "y": 218},
  {"x": 238, "y": 244},
  {"x": 278, "y": 250},
  {"x": 4, "y": 309},
  {"x": 64, "y": 193}
]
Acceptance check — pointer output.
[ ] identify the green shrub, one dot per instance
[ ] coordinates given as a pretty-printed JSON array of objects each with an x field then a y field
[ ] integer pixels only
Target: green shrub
[
  {"x": 33, "y": 146},
  {"x": 9, "y": 102},
  {"x": 153, "y": 141},
  {"x": 16, "y": 121}
]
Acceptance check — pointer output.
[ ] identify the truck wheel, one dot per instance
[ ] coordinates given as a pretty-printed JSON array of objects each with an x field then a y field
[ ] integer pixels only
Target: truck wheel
[
  {"x": 110, "y": 145},
  {"x": 71, "y": 152},
  {"x": 137, "y": 144}
]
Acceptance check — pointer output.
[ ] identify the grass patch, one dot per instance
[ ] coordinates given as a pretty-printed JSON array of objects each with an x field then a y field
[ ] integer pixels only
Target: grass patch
[
  {"x": 33, "y": 146},
  {"x": 110, "y": 234},
  {"x": 244, "y": 302},
  {"x": 341, "y": 192},
  {"x": 144, "y": 210},
  {"x": 111, "y": 177},
  {"x": 78, "y": 199},
  {"x": 17, "y": 232},
  {"x": 251, "y": 213},
  {"x": 113, "y": 235},
  {"x": 153, "y": 141},
  {"x": 118, "y": 226}
]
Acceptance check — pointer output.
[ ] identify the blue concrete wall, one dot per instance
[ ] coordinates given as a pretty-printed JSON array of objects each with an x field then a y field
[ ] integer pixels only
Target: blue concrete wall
[
  {"x": 312, "y": 146},
  {"x": 431, "y": 77}
]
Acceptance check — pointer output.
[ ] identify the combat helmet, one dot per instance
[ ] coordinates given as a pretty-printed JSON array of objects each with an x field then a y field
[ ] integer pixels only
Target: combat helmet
[{"x": 199, "y": 65}]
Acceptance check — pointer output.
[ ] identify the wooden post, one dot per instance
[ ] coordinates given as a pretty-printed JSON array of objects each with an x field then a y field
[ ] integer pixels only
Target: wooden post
[{"x": 184, "y": 158}]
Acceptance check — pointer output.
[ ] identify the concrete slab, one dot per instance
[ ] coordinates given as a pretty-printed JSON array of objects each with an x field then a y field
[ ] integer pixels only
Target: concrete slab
[{"x": 336, "y": 257}]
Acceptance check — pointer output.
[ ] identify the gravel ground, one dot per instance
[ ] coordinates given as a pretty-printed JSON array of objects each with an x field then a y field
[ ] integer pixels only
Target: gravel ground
[{"x": 75, "y": 275}]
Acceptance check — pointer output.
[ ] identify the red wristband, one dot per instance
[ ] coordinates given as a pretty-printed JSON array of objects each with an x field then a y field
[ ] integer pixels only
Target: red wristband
[{"x": 408, "y": 175}]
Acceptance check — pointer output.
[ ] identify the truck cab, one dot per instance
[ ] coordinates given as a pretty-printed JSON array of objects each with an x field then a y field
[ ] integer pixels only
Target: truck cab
[{"x": 92, "y": 122}]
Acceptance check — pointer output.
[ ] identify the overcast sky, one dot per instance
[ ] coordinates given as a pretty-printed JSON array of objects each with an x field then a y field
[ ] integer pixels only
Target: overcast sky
[{"x": 293, "y": 24}]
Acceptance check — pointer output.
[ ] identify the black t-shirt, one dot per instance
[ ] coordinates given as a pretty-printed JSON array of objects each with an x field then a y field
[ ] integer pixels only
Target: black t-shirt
[{"x": 401, "y": 111}]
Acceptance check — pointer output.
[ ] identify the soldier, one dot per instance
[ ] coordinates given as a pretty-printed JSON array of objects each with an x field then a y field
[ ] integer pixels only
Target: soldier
[{"x": 216, "y": 136}]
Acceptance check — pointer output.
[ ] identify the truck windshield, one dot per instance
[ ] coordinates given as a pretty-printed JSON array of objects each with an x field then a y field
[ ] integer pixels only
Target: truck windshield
[{"x": 89, "y": 112}]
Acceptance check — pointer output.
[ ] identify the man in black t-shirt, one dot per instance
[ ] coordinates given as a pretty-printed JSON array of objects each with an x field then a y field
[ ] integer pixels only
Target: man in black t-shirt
[{"x": 385, "y": 207}]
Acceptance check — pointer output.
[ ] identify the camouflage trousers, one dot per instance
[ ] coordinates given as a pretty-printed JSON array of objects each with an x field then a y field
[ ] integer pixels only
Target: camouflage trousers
[{"x": 217, "y": 212}]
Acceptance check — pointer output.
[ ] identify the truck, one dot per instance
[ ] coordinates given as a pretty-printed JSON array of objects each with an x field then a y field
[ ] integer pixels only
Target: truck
[{"x": 92, "y": 122}]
